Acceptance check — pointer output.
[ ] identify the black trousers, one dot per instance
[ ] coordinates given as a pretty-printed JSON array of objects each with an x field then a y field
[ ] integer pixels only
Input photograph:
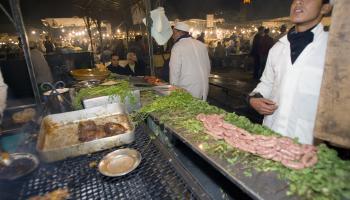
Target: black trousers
[{"x": 256, "y": 66}]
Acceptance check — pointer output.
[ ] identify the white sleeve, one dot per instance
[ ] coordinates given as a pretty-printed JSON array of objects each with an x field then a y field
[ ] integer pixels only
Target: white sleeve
[
  {"x": 3, "y": 94},
  {"x": 267, "y": 79},
  {"x": 175, "y": 66}
]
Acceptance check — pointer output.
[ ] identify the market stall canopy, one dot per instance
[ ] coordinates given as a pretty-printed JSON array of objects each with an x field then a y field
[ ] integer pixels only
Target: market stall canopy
[
  {"x": 277, "y": 22},
  {"x": 65, "y": 22}
]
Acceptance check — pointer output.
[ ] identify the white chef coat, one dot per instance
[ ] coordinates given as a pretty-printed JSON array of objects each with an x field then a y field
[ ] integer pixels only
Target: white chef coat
[
  {"x": 294, "y": 87},
  {"x": 190, "y": 67}
]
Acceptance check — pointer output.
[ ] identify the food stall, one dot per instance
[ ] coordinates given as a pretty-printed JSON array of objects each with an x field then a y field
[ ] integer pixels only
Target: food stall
[
  {"x": 119, "y": 137},
  {"x": 71, "y": 166}
]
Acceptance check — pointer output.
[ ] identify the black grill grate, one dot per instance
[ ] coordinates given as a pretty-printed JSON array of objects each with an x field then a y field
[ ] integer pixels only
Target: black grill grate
[{"x": 154, "y": 178}]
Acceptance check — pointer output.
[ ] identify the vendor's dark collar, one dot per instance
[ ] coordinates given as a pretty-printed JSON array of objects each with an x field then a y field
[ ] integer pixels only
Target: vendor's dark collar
[
  {"x": 183, "y": 36},
  {"x": 298, "y": 41}
]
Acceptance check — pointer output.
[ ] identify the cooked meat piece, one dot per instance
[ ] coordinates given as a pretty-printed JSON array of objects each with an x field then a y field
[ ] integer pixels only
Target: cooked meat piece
[
  {"x": 59, "y": 194},
  {"x": 87, "y": 136},
  {"x": 87, "y": 130},
  {"x": 112, "y": 128},
  {"x": 100, "y": 132},
  {"x": 24, "y": 116},
  {"x": 87, "y": 126}
]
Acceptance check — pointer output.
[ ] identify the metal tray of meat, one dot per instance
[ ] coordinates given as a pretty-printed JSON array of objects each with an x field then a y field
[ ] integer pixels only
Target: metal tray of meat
[
  {"x": 9, "y": 125},
  {"x": 103, "y": 100},
  {"x": 59, "y": 139}
]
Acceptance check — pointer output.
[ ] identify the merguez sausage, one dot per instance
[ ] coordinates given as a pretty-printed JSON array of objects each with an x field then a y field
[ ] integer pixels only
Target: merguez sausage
[
  {"x": 296, "y": 149},
  {"x": 268, "y": 143},
  {"x": 308, "y": 159},
  {"x": 293, "y": 164},
  {"x": 311, "y": 161},
  {"x": 287, "y": 153},
  {"x": 229, "y": 126},
  {"x": 279, "y": 149}
]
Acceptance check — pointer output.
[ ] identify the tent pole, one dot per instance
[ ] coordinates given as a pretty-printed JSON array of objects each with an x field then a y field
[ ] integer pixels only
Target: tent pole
[
  {"x": 17, "y": 18},
  {"x": 149, "y": 36},
  {"x": 7, "y": 14}
]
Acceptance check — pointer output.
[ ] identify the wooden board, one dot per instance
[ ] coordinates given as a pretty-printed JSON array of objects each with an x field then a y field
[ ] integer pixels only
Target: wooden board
[{"x": 333, "y": 117}]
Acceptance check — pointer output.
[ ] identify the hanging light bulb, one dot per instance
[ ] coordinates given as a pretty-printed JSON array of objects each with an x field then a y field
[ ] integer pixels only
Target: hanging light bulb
[{"x": 246, "y": 1}]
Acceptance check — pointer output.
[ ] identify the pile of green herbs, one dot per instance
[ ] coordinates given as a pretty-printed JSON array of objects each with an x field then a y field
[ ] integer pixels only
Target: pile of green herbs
[
  {"x": 328, "y": 179},
  {"x": 122, "y": 89}
]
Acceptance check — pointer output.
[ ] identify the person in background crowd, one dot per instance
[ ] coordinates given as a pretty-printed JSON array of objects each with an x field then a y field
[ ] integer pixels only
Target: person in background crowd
[
  {"x": 165, "y": 70},
  {"x": 201, "y": 37},
  {"x": 114, "y": 67},
  {"x": 290, "y": 87},
  {"x": 211, "y": 52},
  {"x": 120, "y": 49},
  {"x": 3, "y": 96},
  {"x": 20, "y": 44},
  {"x": 138, "y": 48},
  {"x": 134, "y": 67},
  {"x": 42, "y": 70},
  {"x": 264, "y": 47},
  {"x": 170, "y": 43},
  {"x": 219, "y": 54},
  {"x": 48, "y": 45},
  {"x": 283, "y": 32},
  {"x": 189, "y": 63},
  {"x": 106, "y": 55},
  {"x": 230, "y": 49},
  {"x": 254, "y": 52},
  {"x": 237, "y": 45}
]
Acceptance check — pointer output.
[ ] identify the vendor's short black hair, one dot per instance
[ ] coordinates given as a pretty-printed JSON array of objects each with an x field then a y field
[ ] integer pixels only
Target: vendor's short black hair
[{"x": 325, "y": 1}]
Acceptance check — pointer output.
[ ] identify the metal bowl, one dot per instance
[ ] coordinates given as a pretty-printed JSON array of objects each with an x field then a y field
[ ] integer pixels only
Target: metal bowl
[
  {"x": 89, "y": 74},
  {"x": 163, "y": 90},
  {"x": 86, "y": 84},
  {"x": 119, "y": 162},
  {"x": 21, "y": 165}
]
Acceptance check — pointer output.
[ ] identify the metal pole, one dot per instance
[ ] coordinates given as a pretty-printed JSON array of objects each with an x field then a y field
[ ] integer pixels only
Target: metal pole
[
  {"x": 149, "y": 36},
  {"x": 17, "y": 18},
  {"x": 7, "y": 14}
]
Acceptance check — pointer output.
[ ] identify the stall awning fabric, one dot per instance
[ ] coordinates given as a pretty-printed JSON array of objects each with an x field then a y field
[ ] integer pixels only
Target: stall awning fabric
[{"x": 64, "y": 22}]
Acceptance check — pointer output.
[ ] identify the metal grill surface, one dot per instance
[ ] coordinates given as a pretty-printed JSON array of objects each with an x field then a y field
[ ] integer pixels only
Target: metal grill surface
[{"x": 154, "y": 178}]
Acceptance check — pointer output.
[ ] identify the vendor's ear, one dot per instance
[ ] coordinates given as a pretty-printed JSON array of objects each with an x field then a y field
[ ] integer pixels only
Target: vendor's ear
[{"x": 326, "y": 9}]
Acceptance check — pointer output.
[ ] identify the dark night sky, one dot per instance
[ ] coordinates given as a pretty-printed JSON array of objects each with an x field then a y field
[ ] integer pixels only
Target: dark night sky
[
  {"x": 34, "y": 10},
  {"x": 259, "y": 9}
]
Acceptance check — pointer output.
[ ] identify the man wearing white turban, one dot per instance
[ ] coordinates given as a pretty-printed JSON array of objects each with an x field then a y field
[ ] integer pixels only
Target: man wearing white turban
[{"x": 189, "y": 63}]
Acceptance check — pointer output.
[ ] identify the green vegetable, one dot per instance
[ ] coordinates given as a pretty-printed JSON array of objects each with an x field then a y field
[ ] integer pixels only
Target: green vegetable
[{"x": 122, "y": 89}]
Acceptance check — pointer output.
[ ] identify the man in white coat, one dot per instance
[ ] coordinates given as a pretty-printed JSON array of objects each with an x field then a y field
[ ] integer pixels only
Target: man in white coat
[
  {"x": 189, "y": 63},
  {"x": 290, "y": 86},
  {"x": 42, "y": 69}
]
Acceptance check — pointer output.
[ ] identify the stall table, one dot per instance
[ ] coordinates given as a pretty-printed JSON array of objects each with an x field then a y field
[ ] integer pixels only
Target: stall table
[
  {"x": 261, "y": 185},
  {"x": 155, "y": 178}
]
